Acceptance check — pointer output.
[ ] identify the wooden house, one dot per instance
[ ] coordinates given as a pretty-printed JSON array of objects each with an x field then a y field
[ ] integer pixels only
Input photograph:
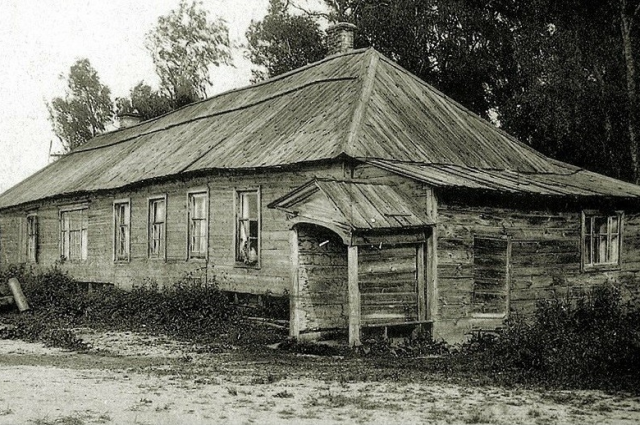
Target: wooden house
[{"x": 368, "y": 198}]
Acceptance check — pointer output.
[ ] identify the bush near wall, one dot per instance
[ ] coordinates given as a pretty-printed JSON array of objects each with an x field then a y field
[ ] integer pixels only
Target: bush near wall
[
  {"x": 188, "y": 309},
  {"x": 590, "y": 342}
]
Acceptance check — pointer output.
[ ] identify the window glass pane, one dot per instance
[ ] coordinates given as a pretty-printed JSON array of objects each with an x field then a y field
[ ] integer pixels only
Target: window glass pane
[
  {"x": 615, "y": 249},
  {"x": 249, "y": 205},
  {"x": 159, "y": 211},
  {"x": 198, "y": 206},
  {"x": 614, "y": 224},
  {"x": 84, "y": 245},
  {"x": 244, "y": 231},
  {"x": 253, "y": 229},
  {"x": 601, "y": 253},
  {"x": 601, "y": 225},
  {"x": 587, "y": 250}
]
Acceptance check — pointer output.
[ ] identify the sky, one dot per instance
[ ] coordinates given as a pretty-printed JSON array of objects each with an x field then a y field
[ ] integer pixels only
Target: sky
[{"x": 41, "y": 39}]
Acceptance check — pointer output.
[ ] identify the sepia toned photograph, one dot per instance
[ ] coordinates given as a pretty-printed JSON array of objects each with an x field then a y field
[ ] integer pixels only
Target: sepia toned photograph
[{"x": 319, "y": 212}]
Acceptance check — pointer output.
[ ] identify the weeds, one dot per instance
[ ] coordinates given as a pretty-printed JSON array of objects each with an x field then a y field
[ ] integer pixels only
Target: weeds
[{"x": 187, "y": 310}]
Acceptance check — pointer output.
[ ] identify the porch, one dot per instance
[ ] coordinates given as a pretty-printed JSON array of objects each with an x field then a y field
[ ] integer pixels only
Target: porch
[{"x": 359, "y": 259}]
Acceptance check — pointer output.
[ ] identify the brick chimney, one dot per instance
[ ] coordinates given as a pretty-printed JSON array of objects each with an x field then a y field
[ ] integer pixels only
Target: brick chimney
[
  {"x": 128, "y": 119},
  {"x": 340, "y": 38}
]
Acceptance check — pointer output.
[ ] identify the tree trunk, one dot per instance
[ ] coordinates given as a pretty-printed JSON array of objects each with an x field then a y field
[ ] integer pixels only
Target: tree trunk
[
  {"x": 626, "y": 24},
  {"x": 607, "y": 142}
]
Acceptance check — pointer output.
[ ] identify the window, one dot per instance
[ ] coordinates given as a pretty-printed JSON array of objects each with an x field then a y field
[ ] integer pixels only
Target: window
[
  {"x": 73, "y": 234},
  {"x": 197, "y": 238},
  {"x": 248, "y": 227},
  {"x": 601, "y": 241},
  {"x": 157, "y": 234},
  {"x": 122, "y": 229},
  {"x": 491, "y": 257},
  {"x": 32, "y": 238}
]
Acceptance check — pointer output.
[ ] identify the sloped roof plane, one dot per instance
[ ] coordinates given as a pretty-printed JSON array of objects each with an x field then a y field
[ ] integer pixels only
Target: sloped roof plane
[
  {"x": 352, "y": 206},
  {"x": 359, "y": 104}
]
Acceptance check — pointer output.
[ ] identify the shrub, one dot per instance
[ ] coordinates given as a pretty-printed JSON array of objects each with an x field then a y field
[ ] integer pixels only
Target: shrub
[
  {"x": 188, "y": 309},
  {"x": 592, "y": 341}
]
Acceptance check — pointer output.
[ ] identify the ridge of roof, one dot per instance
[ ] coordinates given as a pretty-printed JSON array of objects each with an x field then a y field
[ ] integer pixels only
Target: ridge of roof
[{"x": 367, "y": 73}]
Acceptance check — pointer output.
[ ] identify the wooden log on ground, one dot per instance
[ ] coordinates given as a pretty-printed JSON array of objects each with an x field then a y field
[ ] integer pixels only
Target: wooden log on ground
[{"x": 18, "y": 295}]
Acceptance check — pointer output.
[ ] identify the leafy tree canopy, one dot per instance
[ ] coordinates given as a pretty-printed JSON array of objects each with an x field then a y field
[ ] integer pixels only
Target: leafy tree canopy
[
  {"x": 144, "y": 101},
  {"x": 184, "y": 45},
  {"x": 282, "y": 41},
  {"x": 560, "y": 76},
  {"x": 84, "y": 110}
]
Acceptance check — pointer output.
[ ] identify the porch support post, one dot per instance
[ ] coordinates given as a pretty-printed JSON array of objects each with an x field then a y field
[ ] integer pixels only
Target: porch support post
[
  {"x": 420, "y": 271},
  {"x": 432, "y": 277},
  {"x": 354, "y": 298},
  {"x": 294, "y": 297}
]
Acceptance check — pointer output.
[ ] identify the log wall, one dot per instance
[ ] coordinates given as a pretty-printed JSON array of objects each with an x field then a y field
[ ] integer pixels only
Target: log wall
[
  {"x": 544, "y": 259},
  {"x": 321, "y": 297}
]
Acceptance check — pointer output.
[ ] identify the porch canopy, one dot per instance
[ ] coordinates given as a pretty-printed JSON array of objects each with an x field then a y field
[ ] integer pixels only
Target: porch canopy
[
  {"x": 357, "y": 211},
  {"x": 363, "y": 215}
]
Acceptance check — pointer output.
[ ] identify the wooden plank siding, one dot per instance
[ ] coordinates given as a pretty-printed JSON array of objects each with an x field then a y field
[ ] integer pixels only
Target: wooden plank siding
[
  {"x": 544, "y": 261},
  {"x": 273, "y": 275}
]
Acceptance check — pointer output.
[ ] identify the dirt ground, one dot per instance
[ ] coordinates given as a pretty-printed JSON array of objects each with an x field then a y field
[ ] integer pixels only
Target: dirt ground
[{"x": 130, "y": 378}]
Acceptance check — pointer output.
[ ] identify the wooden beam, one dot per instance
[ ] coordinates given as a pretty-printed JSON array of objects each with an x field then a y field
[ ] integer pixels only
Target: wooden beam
[
  {"x": 294, "y": 297},
  {"x": 420, "y": 272},
  {"x": 508, "y": 280},
  {"x": 354, "y": 298},
  {"x": 431, "y": 303}
]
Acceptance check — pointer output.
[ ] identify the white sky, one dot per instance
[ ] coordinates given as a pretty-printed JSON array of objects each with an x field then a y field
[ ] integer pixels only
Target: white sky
[{"x": 41, "y": 39}]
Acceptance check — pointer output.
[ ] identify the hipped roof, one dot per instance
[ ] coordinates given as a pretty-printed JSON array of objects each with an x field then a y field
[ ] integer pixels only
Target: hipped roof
[{"x": 358, "y": 104}]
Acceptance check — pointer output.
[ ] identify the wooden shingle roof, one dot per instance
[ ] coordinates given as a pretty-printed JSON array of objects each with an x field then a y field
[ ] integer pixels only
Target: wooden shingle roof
[
  {"x": 353, "y": 206},
  {"x": 358, "y": 104}
]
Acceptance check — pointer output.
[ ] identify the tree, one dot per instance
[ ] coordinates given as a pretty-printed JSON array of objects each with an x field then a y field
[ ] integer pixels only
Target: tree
[
  {"x": 455, "y": 45},
  {"x": 84, "y": 110},
  {"x": 629, "y": 14},
  {"x": 566, "y": 92},
  {"x": 144, "y": 101},
  {"x": 282, "y": 42},
  {"x": 184, "y": 45}
]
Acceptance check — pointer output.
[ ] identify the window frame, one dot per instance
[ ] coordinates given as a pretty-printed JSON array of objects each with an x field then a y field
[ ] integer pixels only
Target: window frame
[
  {"x": 116, "y": 226},
  {"x": 163, "y": 254},
  {"x": 32, "y": 238},
  {"x": 190, "y": 195},
  {"x": 585, "y": 256},
  {"x": 84, "y": 249},
  {"x": 237, "y": 205}
]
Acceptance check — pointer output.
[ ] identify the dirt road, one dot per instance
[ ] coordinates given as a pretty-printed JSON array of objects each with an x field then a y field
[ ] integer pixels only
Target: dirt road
[{"x": 133, "y": 379}]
